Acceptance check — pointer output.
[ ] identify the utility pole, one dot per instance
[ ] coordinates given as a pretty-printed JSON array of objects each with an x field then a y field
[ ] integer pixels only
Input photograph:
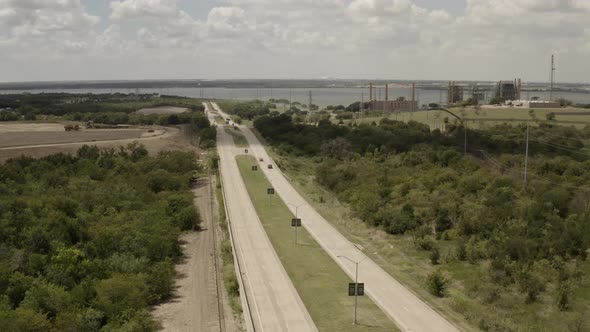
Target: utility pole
[
  {"x": 465, "y": 131},
  {"x": 362, "y": 105},
  {"x": 526, "y": 157}
]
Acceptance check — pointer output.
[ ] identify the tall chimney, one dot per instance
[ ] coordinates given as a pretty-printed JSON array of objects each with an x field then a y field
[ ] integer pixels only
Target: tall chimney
[
  {"x": 519, "y": 89},
  {"x": 413, "y": 95},
  {"x": 386, "y": 91},
  {"x": 370, "y": 91},
  {"x": 450, "y": 93}
]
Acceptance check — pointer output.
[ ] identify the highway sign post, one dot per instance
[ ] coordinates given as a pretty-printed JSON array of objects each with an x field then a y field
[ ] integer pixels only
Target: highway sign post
[
  {"x": 295, "y": 223},
  {"x": 270, "y": 192}
]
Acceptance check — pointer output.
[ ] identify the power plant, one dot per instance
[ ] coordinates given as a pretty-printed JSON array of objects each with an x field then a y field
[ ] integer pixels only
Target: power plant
[
  {"x": 508, "y": 90},
  {"x": 454, "y": 93},
  {"x": 400, "y": 104}
]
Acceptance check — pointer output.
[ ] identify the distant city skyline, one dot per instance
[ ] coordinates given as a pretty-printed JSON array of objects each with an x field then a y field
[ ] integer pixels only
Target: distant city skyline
[{"x": 481, "y": 40}]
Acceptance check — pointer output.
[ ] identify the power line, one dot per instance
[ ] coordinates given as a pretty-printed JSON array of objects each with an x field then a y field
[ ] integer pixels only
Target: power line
[
  {"x": 559, "y": 136},
  {"x": 561, "y": 147},
  {"x": 509, "y": 170}
]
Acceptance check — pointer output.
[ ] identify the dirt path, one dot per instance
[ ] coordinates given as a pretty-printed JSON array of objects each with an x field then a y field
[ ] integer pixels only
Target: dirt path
[{"x": 195, "y": 306}]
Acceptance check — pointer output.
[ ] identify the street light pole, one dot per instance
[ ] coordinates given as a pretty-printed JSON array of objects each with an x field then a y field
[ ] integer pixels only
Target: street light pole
[
  {"x": 356, "y": 277},
  {"x": 296, "y": 209},
  {"x": 356, "y": 282}
]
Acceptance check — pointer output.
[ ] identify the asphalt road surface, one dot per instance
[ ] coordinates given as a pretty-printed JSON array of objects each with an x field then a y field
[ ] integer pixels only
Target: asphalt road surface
[
  {"x": 273, "y": 301},
  {"x": 402, "y": 306}
]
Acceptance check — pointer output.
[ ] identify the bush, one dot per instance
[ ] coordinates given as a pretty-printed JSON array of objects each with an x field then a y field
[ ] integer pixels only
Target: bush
[
  {"x": 434, "y": 256},
  {"x": 437, "y": 283}
]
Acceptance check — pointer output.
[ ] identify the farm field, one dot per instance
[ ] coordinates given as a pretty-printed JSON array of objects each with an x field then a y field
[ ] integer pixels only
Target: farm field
[
  {"x": 162, "y": 110},
  {"x": 42, "y": 139},
  {"x": 16, "y": 139}
]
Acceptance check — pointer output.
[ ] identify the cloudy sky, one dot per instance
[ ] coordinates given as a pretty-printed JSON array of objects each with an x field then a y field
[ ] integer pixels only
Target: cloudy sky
[{"x": 391, "y": 39}]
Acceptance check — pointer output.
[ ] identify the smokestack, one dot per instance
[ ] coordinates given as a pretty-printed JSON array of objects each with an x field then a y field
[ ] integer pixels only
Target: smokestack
[
  {"x": 519, "y": 89},
  {"x": 386, "y": 91},
  {"x": 370, "y": 91},
  {"x": 450, "y": 93},
  {"x": 413, "y": 95}
]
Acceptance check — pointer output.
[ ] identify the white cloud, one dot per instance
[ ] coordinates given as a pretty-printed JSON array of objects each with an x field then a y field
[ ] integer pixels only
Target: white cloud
[
  {"x": 127, "y": 9},
  {"x": 493, "y": 39}
]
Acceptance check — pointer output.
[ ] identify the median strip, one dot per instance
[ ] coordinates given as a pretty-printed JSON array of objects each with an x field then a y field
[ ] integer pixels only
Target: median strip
[{"x": 320, "y": 282}]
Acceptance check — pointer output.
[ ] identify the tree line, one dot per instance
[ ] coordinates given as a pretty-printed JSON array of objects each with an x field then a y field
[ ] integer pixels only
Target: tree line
[{"x": 104, "y": 108}]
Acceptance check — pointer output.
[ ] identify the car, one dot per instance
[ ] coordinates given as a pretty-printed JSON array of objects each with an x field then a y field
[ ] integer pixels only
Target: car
[
  {"x": 261, "y": 159},
  {"x": 269, "y": 166}
]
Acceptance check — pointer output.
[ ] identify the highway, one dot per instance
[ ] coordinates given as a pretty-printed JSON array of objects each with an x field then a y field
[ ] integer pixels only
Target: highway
[
  {"x": 272, "y": 301},
  {"x": 407, "y": 311}
]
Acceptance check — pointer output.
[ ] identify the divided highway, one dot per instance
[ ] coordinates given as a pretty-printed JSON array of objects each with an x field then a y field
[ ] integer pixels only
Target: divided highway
[
  {"x": 272, "y": 300},
  {"x": 402, "y": 306}
]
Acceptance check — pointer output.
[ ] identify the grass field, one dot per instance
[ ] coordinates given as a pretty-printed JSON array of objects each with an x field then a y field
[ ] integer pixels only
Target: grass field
[
  {"x": 219, "y": 120},
  {"x": 319, "y": 281},
  {"x": 399, "y": 257},
  {"x": 239, "y": 139},
  {"x": 484, "y": 117}
]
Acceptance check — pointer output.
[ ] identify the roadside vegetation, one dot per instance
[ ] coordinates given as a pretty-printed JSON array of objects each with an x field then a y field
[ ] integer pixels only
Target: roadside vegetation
[
  {"x": 89, "y": 241},
  {"x": 462, "y": 231},
  {"x": 318, "y": 279}
]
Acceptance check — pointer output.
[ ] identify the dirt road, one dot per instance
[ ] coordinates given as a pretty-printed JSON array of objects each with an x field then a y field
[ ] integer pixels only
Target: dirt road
[
  {"x": 402, "y": 306},
  {"x": 272, "y": 299},
  {"x": 195, "y": 307}
]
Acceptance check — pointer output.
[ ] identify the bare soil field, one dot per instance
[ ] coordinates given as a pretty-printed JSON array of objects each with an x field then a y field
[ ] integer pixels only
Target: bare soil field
[
  {"x": 162, "y": 110},
  {"x": 11, "y": 127},
  {"x": 163, "y": 138},
  {"x": 17, "y": 139}
]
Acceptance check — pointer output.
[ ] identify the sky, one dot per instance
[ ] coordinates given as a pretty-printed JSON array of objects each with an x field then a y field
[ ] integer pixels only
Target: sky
[{"x": 50, "y": 40}]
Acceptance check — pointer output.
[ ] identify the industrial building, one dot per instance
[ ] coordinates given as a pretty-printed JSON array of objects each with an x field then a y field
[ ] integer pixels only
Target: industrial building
[
  {"x": 454, "y": 93},
  {"x": 508, "y": 90},
  {"x": 400, "y": 104},
  {"x": 477, "y": 96}
]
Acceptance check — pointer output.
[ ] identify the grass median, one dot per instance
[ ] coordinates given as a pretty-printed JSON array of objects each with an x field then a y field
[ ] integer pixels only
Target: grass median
[
  {"x": 320, "y": 282},
  {"x": 239, "y": 139}
]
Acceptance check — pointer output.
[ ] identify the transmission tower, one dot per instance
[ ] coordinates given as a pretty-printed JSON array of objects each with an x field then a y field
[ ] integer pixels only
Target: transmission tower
[{"x": 552, "y": 77}]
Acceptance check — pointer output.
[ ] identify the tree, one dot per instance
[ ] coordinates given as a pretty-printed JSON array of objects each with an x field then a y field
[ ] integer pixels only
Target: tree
[
  {"x": 550, "y": 116},
  {"x": 121, "y": 292}
]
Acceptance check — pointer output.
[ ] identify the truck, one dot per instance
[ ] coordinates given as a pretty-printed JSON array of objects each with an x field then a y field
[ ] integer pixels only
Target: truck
[{"x": 71, "y": 127}]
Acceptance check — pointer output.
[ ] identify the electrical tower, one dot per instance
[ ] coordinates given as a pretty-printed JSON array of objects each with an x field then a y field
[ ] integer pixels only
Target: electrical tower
[{"x": 552, "y": 77}]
